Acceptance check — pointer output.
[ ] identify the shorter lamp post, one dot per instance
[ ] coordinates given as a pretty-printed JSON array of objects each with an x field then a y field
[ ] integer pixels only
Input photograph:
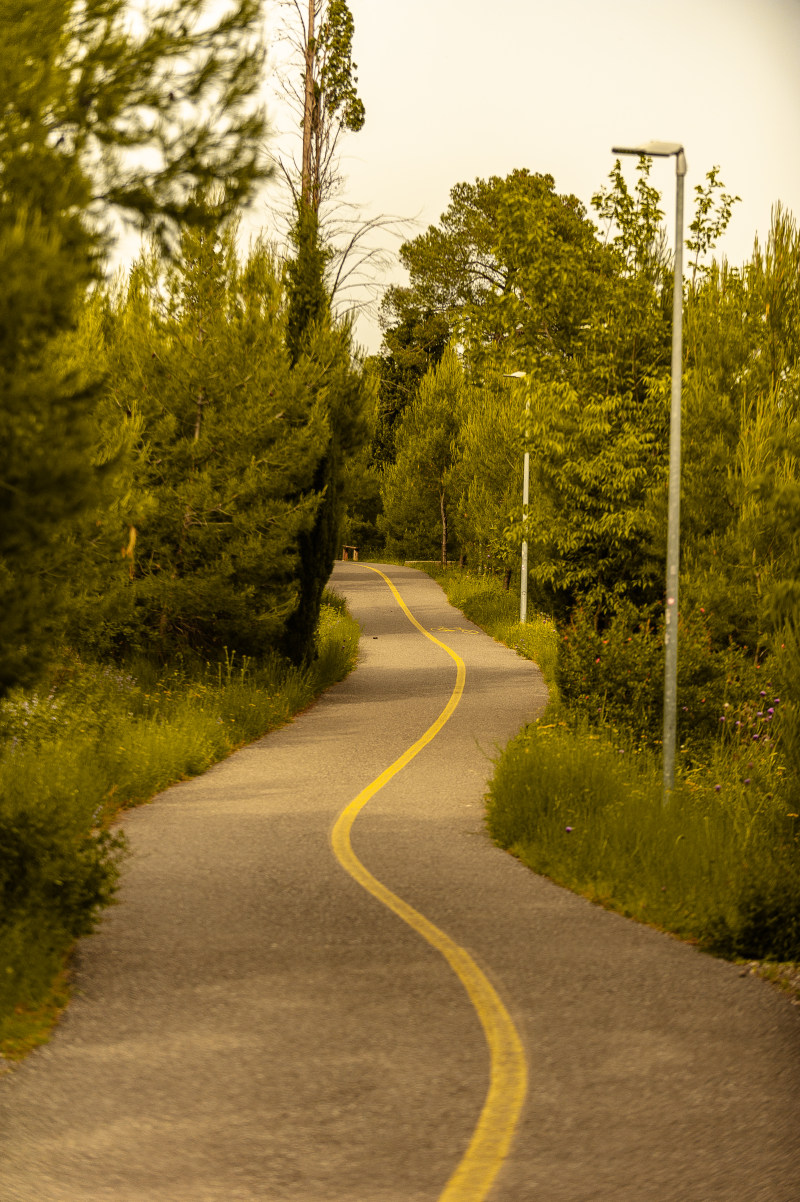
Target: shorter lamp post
[
  {"x": 667, "y": 150},
  {"x": 526, "y": 475}
]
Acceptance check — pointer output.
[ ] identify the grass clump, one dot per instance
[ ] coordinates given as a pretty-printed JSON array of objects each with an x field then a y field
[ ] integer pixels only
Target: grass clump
[
  {"x": 717, "y": 865},
  {"x": 101, "y": 738}
]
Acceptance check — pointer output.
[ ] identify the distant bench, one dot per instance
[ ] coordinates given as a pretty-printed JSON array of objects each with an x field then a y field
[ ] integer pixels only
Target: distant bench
[{"x": 345, "y": 550}]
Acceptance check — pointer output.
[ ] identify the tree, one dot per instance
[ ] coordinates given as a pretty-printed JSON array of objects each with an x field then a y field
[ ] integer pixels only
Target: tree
[
  {"x": 232, "y": 435},
  {"x": 417, "y": 488},
  {"x": 97, "y": 116}
]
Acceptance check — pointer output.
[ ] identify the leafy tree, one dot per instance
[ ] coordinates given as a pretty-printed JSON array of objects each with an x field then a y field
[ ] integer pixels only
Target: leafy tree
[
  {"x": 418, "y": 487},
  {"x": 96, "y": 115},
  {"x": 232, "y": 436},
  {"x": 712, "y": 216},
  {"x": 414, "y": 344},
  {"x": 488, "y": 473}
]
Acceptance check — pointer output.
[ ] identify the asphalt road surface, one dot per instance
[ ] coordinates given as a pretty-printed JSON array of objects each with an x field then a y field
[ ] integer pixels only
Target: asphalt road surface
[{"x": 251, "y": 1023}]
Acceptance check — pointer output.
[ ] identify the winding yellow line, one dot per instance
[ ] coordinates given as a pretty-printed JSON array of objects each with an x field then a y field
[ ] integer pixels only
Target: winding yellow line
[{"x": 491, "y": 1139}]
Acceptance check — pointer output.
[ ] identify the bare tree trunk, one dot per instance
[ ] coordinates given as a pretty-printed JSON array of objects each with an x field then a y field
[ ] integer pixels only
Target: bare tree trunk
[
  {"x": 308, "y": 107},
  {"x": 444, "y": 529}
]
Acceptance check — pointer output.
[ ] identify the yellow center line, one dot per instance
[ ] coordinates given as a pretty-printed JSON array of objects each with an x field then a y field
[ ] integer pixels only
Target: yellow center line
[{"x": 491, "y": 1139}]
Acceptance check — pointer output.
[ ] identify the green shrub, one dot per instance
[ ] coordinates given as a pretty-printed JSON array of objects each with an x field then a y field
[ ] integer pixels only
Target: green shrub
[
  {"x": 101, "y": 738},
  {"x": 615, "y": 675}
]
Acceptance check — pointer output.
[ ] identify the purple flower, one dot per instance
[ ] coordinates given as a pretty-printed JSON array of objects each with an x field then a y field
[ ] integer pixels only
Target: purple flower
[
  {"x": 717, "y": 788},
  {"x": 569, "y": 830},
  {"x": 747, "y": 780},
  {"x": 762, "y": 693},
  {"x": 770, "y": 711}
]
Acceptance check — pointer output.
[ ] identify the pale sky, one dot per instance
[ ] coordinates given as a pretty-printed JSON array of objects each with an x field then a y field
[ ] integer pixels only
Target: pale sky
[{"x": 460, "y": 89}]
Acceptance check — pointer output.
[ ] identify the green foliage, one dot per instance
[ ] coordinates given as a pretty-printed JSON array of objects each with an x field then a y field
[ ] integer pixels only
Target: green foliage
[
  {"x": 309, "y": 303},
  {"x": 485, "y": 601},
  {"x": 636, "y": 221},
  {"x": 330, "y": 101},
  {"x": 416, "y": 488},
  {"x": 711, "y": 219},
  {"x": 414, "y": 341},
  {"x": 719, "y": 865},
  {"x": 337, "y": 78},
  {"x": 231, "y": 440},
  {"x": 112, "y": 119},
  {"x": 487, "y": 475},
  {"x": 101, "y": 738},
  {"x": 614, "y": 675}
]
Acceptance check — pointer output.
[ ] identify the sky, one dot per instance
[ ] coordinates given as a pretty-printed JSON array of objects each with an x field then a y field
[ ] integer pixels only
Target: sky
[{"x": 456, "y": 90}]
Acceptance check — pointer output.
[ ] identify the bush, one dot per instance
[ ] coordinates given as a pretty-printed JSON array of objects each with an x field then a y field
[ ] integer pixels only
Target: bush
[
  {"x": 719, "y": 864},
  {"x": 102, "y": 738},
  {"x": 615, "y": 675}
]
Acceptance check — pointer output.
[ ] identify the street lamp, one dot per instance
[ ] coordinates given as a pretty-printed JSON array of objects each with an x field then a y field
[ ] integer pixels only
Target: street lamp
[
  {"x": 526, "y": 475},
  {"x": 667, "y": 150}
]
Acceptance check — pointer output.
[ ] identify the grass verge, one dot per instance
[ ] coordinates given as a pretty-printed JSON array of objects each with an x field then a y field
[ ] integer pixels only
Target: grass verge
[
  {"x": 101, "y": 739},
  {"x": 718, "y": 866},
  {"x": 485, "y": 602}
]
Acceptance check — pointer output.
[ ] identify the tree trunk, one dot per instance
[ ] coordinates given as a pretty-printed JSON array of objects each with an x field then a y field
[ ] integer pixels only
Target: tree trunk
[
  {"x": 308, "y": 106},
  {"x": 444, "y": 529}
]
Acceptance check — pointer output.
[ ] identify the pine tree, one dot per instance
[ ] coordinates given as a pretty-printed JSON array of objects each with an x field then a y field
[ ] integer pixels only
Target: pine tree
[
  {"x": 80, "y": 93},
  {"x": 232, "y": 438}
]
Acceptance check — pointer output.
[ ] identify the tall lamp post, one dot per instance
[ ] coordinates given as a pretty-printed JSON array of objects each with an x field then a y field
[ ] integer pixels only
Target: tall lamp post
[
  {"x": 526, "y": 476},
  {"x": 667, "y": 150}
]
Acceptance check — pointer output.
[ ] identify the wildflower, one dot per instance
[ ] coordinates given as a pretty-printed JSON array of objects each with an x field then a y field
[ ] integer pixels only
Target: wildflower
[
  {"x": 568, "y": 830},
  {"x": 717, "y": 788},
  {"x": 722, "y": 719},
  {"x": 747, "y": 780},
  {"x": 684, "y": 708},
  {"x": 762, "y": 693},
  {"x": 770, "y": 711}
]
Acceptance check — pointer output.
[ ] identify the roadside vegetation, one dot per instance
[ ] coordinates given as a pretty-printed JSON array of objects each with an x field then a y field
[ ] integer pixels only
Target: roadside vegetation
[
  {"x": 173, "y": 442},
  {"x": 95, "y": 740},
  {"x": 529, "y": 323},
  {"x": 580, "y": 801}
]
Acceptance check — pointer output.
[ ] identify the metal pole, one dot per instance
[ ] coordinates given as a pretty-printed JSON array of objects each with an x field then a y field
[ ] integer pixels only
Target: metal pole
[
  {"x": 674, "y": 503},
  {"x": 523, "y": 584},
  {"x": 526, "y": 475}
]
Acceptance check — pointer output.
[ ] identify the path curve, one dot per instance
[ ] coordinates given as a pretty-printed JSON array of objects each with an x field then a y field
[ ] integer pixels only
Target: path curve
[{"x": 252, "y": 1025}]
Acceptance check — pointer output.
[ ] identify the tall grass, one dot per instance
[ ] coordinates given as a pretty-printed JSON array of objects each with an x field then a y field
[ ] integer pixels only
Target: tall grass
[
  {"x": 716, "y": 865},
  {"x": 485, "y": 602},
  {"x": 582, "y": 803},
  {"x": 102, "y": 738}
]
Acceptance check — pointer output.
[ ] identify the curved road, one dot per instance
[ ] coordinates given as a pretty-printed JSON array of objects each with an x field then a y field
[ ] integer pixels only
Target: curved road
[{"x": 251, "y": 1023}]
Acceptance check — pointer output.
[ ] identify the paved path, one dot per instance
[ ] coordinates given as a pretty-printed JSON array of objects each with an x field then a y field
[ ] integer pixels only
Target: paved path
[{"x": 251, "y": 1024}]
